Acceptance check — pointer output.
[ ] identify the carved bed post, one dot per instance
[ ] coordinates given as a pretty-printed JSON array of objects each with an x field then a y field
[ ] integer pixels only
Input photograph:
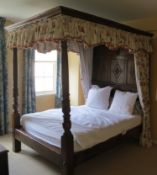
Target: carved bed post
[
  {"x": 16, "y": 115},
  {"x": 67, "y": 146}
]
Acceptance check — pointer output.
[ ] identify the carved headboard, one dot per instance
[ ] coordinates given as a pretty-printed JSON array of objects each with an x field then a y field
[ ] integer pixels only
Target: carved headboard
[{"x": 113, "y": 67}]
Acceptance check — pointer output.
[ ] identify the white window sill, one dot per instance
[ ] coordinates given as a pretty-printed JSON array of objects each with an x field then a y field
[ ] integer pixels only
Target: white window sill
[{"x": 45, "y": 93}]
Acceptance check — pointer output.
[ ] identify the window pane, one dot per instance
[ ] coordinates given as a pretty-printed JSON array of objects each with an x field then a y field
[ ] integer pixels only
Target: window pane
[
  {"x": 39, "y": 84},
  {"x": 48, "y": 69},
  {"x": 38, "y": 69},
  {"x": 44, "y": 68},
  {"x": 45, "y": 73},
  {"x": 44, "y": 84},
  {"x": 48, "y": 83}
]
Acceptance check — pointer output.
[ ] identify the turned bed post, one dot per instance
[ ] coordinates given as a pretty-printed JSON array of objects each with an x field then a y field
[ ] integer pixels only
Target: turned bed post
[
  {"x": 16, "y": 115},
  {"x": 67, "y": 146}
]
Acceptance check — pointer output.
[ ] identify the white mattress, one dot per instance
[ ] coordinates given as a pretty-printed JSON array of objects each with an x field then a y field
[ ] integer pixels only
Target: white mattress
[{"x": 89, "y": 126}]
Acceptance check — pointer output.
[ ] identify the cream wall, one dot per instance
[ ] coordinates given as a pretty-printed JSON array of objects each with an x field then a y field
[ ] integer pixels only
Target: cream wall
[
  {"x": 150, "y": 24},
  {"x": 9, "y": 54},
  {"x": 76, "y": 95},
  {"x": 44, "y": 102},
  {"x": 10, "y": 81},
  {"x": 81, "y": 99}
]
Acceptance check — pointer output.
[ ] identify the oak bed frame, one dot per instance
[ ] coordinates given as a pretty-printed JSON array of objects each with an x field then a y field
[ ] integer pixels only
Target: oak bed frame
[{"x": 118, "y": 71}]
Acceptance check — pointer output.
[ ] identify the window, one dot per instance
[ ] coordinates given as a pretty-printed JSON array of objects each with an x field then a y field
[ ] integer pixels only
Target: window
[{"x": 45, "y": 72}]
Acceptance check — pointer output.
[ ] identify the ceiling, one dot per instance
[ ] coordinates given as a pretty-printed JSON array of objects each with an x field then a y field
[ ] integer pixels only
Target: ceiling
[{"x": 118, "y": 10}]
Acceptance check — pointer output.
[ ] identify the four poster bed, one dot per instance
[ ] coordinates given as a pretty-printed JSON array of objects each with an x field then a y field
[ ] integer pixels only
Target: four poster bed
[{"x": 117, "y": 49}]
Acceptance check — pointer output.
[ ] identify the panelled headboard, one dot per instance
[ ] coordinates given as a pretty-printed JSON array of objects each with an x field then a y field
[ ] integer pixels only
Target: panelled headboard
[{"x": 113, "y": 67}]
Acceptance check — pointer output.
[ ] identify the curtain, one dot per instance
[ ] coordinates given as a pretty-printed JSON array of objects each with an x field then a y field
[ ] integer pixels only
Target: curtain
[
  {"x": 86, "y": 62},
  {"x": 3, "y": 81},
  {"x": 142, "y": 79},
  {"x": 29, "y": 104},
  {"x": 58, "y": 99}
]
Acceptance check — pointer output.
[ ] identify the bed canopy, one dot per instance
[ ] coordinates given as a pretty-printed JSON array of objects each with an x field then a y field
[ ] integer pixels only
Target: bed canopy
[
  {"x": 46, "y": 30},
  {"x": 67, "y": 29}
]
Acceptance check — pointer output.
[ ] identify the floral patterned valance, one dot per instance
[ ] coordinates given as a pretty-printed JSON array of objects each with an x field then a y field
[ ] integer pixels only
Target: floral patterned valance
[{"x": 50, "y": 31}]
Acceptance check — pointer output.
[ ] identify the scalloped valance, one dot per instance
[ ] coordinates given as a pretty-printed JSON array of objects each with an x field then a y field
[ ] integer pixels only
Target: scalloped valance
[{"x": 49, "y": 31}]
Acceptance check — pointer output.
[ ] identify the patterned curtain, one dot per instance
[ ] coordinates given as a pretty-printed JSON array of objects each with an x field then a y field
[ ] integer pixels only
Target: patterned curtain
[
  {"x": 58, "y": 99},
  {"x": 142, "y": 80},
  {"x": 3, "y": 81},
  {"x": 53, "y": 29},
  {"x": 29, "y": 104}
]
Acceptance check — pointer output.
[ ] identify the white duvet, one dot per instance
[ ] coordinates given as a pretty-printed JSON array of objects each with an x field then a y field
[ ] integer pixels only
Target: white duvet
[{"x": 89, "y": 126}]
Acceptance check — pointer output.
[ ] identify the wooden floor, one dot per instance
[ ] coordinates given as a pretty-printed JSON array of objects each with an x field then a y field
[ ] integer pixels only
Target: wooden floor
[{"x": 126, "y": 159}]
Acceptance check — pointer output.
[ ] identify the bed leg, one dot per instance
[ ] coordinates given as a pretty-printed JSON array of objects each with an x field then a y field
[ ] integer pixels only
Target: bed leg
[
  {"x": 67, "y": 152},
  {"x": 16, "y": 145},
  {"x": 67, "y": 169}
]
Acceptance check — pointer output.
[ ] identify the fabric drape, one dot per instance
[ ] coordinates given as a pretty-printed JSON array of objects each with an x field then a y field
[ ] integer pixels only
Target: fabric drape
[
  {"x": 3, "y": 81},
  {"x": 142, "y": 80},
  {"x": 29, "y": 104},
  {"x": 58, "y": 99},
  {"x": 53, "y": 29},
  {"x": 86, "y": 62}
]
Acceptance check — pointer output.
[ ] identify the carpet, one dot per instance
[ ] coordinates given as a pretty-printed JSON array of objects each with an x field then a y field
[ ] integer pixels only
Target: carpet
[{"x": 125, "y": 159}]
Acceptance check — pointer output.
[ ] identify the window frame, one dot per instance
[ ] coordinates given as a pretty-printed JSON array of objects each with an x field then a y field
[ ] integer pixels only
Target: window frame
[{"x": 53, "y": 91}]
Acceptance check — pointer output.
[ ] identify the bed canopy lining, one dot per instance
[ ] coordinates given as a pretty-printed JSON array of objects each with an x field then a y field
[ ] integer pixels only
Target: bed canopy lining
[{"x": 45, "y": 31}]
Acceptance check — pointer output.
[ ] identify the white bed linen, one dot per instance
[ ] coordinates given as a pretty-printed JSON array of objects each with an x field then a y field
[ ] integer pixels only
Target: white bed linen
[{"x": 90, "y": 126}]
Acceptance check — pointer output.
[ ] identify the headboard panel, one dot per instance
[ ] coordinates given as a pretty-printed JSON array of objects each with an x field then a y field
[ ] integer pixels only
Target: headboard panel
[{"x": 113, "y": 67}]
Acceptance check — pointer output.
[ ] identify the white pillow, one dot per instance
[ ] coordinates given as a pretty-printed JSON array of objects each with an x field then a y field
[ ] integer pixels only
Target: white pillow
[
  {"x": 98, "y": 97},
  {"x": 123, "y": 102}
]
